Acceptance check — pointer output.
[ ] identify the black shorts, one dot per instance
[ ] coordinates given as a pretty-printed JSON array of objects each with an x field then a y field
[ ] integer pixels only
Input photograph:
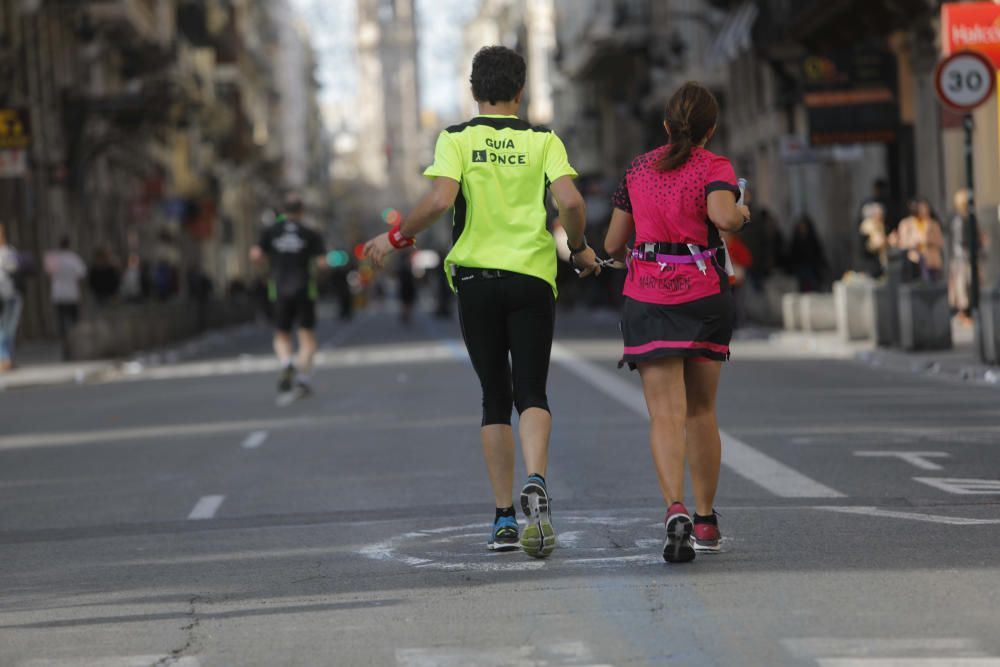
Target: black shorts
[
  {"x": 291, "y": 310},
  {"x": 700, "y": 329}
]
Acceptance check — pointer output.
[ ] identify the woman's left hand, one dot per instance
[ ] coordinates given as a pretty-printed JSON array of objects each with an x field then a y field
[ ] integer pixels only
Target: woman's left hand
[{"x": 378, "y": 248}]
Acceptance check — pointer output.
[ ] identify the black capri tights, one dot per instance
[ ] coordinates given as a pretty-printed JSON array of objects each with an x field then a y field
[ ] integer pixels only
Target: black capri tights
[{"x": 513, "y": 315}]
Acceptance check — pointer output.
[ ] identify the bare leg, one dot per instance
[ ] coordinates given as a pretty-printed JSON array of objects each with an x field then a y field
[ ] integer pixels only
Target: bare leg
[
  {"x": 307, "y": 350},
  {"x": 498, "y": 449},
  {"x": 283, "y": 347},
  {"x": 663, "y": 385},
  {"x": 535, "y": 427},
  {"x": 704, "y": 447}
]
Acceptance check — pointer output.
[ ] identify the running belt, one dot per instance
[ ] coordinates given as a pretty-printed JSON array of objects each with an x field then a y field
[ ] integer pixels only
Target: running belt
[{"x": 671, "y": 253}]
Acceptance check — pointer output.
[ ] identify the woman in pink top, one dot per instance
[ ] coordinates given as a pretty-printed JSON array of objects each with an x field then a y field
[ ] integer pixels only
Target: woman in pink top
[{"x": 678, "y": 314}]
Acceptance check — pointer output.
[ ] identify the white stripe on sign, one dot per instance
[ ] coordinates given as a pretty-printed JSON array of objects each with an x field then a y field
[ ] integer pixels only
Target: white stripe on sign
[
  {"x": 206, "y": 507},
  {"x": 915, "y": 516},
  {"x": 741, "y": 458},
  {"x": 254, "y": 440}
]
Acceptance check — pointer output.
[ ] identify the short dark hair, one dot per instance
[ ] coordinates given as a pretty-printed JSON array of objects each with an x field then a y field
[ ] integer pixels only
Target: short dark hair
[{"x": 497, "y": 74}]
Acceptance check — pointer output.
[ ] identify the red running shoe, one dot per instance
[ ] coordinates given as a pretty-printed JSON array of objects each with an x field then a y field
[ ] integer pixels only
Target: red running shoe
[
  {"x": 678, "y": 548},
  {"x": 706, "y": 535}
]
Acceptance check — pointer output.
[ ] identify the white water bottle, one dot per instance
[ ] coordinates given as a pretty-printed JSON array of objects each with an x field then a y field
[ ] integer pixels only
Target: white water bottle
[{"x": 730, "y": 269}]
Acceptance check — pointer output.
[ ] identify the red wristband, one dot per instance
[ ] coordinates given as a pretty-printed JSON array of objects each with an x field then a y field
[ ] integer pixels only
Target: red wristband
[{"x": 397, "y": 239}]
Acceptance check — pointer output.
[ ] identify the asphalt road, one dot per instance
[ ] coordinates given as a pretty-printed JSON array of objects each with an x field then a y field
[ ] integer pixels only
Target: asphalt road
[{"x": 176, "y": 516}]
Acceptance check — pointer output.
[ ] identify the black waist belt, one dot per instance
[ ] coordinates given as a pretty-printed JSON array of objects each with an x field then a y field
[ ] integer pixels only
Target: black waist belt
[
  {"x": 649, "y": 251},
  {"x": 464, "y": 274}
]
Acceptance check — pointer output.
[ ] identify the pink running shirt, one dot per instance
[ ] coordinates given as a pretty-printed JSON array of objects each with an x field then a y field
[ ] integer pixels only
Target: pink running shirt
[{"x": 673, "y": 207}]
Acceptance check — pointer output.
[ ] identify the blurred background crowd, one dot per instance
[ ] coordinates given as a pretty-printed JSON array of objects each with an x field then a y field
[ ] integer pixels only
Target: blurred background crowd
[{"x": 144, "y": 143}]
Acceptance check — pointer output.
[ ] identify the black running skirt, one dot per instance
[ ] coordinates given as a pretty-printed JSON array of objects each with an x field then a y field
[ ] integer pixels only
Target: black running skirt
[{"x": 699, "y": 329}]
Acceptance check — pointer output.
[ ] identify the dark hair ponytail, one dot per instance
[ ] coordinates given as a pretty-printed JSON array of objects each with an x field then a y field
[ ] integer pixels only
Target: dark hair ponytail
[{"x": 690, "y": 115}]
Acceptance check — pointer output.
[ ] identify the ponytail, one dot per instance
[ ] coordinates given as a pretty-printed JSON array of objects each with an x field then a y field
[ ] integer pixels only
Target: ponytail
[{"x": 690, "y": 115}]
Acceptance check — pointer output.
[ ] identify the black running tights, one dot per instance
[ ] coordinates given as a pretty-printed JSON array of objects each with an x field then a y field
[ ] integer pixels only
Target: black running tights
[{"x": 513, "y": 315}]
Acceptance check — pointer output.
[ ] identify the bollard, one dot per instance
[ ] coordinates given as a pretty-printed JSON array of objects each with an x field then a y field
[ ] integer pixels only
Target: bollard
[{"x": 924, "y": 317}]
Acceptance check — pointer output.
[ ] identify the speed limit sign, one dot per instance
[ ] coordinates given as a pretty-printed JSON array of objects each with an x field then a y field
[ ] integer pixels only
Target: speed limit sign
[{"x": 965, "y": 80}]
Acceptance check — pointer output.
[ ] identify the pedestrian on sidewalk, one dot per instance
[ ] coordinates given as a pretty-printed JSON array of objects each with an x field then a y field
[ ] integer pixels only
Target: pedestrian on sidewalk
[
  {"x": 806, "y": 256},
  {"x": 678, "y": 315},
  {"x": 10, "y": 301},
  {"x": 495, "y": 170},
  {"x": 66, "y": 269},
  {"x": 295, "y": 252},
  {"x": 919, "y": 236},
  {"x": 959, "y": 267},
  {"x": 104, "y": 277},
  {"x": 875, "y": 255}
]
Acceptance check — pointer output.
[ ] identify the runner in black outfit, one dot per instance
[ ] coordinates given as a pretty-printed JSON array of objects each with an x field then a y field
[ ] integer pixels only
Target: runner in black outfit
[{"x": 291, "y": 248}]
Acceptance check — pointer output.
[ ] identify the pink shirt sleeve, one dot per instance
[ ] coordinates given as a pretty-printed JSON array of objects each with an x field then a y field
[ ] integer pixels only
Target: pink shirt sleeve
[{"x": 721, "y": 176}]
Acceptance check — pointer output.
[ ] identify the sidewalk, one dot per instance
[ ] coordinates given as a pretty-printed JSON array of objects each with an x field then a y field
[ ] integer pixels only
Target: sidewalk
[
  {"x": 41, "y": 364},
  {"x": 960, "y": 363}
]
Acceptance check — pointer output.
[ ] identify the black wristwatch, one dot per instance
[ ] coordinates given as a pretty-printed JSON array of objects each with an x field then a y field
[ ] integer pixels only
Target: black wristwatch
[{"x": 576, "y": 251}]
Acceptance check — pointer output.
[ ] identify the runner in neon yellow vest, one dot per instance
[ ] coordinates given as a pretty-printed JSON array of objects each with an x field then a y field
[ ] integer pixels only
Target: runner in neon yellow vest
[{"x": 495, "y": 170}]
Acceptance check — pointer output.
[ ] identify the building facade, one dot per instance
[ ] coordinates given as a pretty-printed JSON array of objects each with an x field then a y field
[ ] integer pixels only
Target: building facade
[{"x": 159, "y": 133}]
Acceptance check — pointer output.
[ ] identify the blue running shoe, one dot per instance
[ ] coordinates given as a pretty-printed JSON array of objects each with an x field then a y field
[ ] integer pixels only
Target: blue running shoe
[
  {"x": 505, "y": 535},
  {"x": 539, "y": 537}
]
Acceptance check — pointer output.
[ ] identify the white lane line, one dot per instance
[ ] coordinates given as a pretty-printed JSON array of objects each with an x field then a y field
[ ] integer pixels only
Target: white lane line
[
  {"x": 740, "y": 457},
  {"x": 915, "y": 516},
  {"x": 908, "y": 662},
  {"x": 254, "y": 440},
  {"x": 811, "y": 648},
  {"x": 206, "y": 507},
  {"x": 963, "y": 486},
  {"x": 117, "y": 661},
  {"x": 917, "y": 459}
]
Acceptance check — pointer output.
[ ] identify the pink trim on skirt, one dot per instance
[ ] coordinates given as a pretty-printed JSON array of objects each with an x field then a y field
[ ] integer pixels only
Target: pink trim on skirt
[{"x": 677, "y": 344}]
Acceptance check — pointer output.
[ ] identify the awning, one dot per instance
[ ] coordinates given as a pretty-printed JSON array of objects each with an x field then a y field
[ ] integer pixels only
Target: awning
[{"x": 736, "y": 34}]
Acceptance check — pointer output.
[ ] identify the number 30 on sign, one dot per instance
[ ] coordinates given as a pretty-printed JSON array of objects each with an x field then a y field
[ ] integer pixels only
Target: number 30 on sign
[{"x": 965, "y": 80}]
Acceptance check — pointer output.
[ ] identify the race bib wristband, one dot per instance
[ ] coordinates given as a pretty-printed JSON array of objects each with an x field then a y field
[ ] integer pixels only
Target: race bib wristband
[{"x": 397, "y": 239}]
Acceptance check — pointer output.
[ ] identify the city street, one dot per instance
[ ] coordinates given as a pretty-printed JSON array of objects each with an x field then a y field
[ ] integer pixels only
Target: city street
[{"x": 175, "y": 515}]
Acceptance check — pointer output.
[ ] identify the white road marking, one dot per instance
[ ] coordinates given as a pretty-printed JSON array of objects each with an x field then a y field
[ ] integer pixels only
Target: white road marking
[
  {"x": 812, "y": 648},
  {"x": 915, "y": 516},
  {"x": 917, "y": 459},
  {"x": 254, "y": 440},
  {"x": 963, "y": 486},
  {"x": 563, "y": 653},
  {"x": 123, "y": 661},
  {"x": 206, "y": 507},
  {"x": 908, "y": 662},
  {"x": 740, "y": 457}
]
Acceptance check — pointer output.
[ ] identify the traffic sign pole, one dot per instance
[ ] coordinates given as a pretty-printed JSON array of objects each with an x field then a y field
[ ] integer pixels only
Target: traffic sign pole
[{"x": 964, "y": 81}]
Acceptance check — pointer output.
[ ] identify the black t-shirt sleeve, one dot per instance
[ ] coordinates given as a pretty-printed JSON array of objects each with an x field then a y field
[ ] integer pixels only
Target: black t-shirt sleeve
[{"x": 620, "y": 199}]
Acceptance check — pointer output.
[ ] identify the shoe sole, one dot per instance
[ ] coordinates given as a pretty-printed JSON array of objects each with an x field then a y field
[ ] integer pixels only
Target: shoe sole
[
  {"x": 538, "y": 539},
  {"x": 501, "y": 548},
  {"x": 677, "y": 548},
  {"x": 707, "y": 547}
]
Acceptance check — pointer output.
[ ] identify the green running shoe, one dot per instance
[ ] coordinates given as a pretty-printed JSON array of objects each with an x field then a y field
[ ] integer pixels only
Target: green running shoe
[{"x": 539, "y": 537}]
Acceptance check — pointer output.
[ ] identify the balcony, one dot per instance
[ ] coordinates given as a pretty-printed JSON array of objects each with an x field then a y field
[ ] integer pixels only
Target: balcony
[
  {"x": 615, "y": 28},
  {"x": 135, "y": 21}
]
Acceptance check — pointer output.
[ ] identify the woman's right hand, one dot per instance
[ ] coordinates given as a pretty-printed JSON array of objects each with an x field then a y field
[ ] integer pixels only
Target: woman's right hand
[
  {"x": 585, "y": 262},
  {"x": 744, "y": 211}
]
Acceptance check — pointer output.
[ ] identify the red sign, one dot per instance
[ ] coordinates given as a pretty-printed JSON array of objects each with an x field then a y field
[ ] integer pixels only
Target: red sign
[{"x": 971, "y": 26}]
